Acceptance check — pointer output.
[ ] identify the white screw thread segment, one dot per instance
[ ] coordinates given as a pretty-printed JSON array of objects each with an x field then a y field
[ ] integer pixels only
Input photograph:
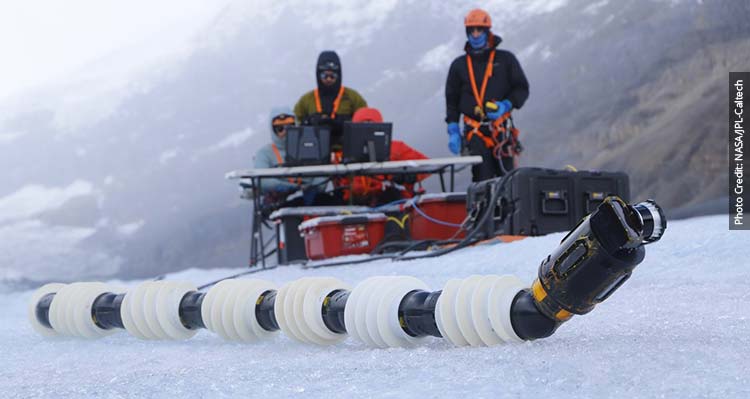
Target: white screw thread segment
[
  {"x": 371, "y": 313},
  {"x": 298, "y": 309},
  {"x": 228, "y": 309},
  {"x": 152, "y": 310},
  {"x": 70, "y": 310},
  {"x": 476, "y": 311}
]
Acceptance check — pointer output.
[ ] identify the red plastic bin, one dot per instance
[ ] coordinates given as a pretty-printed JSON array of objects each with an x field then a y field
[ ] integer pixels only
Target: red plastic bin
[
  {"x": 444, "y": 207},
  {"x": 331, "y": 236}
]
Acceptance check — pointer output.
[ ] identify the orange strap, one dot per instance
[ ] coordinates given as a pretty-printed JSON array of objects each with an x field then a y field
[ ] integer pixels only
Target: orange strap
[
  {"x": 496, "y": 127},
  {"x": 281, "y": 161},
  {"x": 479, "y": 96},
  {"x": 475, "y": 125},
  {"x": 336, "y": 102}
]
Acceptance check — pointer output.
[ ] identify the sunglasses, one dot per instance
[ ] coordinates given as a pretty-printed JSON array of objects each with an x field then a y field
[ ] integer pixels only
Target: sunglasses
[
  {"x": 280, "y": 128},
  {"x": 329, "y": 75}
]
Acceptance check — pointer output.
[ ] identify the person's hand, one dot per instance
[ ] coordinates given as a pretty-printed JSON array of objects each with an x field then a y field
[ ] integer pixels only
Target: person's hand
[
  {"x": 503, "y": 107},
  {"x": 454, "y": 138}
]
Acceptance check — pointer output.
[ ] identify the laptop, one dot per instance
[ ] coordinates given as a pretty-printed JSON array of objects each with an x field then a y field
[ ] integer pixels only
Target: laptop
[
  {"x": 308, "y": 145},
  {"x": 367, "y": 142}
]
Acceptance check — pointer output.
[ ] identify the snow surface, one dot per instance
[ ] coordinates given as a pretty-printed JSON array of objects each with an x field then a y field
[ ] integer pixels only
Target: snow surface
[{"x": 678, "y": 329}]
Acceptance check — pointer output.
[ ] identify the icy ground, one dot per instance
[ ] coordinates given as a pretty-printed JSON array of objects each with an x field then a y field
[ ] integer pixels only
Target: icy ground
[{"x": 680, "y": 328}]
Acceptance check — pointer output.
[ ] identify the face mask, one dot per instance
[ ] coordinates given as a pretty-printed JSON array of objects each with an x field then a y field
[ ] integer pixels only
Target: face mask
[{"x": 478, "y": 42}]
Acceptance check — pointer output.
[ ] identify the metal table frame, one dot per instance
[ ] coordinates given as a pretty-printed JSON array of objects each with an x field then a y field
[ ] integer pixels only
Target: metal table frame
[{"x": 433, "y": 166}]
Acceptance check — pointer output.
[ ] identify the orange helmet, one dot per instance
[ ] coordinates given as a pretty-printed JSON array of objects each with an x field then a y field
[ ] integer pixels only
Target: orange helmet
[
  {"x": 367, "y": 115},
  {"x": 478, "y": 17}
]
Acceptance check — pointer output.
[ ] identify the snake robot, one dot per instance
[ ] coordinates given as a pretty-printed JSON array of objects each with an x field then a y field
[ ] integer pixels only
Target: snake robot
[{"x": 592, "y": 261}]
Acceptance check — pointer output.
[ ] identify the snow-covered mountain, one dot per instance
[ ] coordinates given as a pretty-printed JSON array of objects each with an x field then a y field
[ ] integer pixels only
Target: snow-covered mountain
[
  {"x": 109, "y": 173},
  {"x": 678, "y": 328}
]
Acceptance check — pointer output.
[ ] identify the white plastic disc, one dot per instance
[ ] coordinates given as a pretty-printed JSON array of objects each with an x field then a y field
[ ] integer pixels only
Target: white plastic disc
[
  {"x": 126, "y": 315},
  {"x": 298, "y": 306},
  {"x": 149, "y": 307},
  {"x": 83, "y": 304},
  {"x": 446, "y": 308},
  {"x": 137, "y": 306},
  {"x": 217, "y": 311},
  {"x": 63, "y": 301},
  {"x": 245, "y": 322},
  {"x": 51, "y": 288},
  {"x": 278, "y": 308},
  {"x": 463, "y": 310},
  {"x": 501, "y": 298},
  {"x": 350, "y": 310},
  {"x": 377, "y": 294},
  {"x": 227, "y": 311},
  {"x": 208, "y": 302},
  {"x": 168, "y": 309},
  {"x": 388, "y": 322},
  {"x": 360, "y": 315},
  {"x": 479, "y": 311},
  {"x": 287, "y": 302},
  {"x": 315, "y": 295}
]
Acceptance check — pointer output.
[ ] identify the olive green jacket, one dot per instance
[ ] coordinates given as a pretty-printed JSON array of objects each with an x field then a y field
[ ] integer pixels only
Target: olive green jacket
[{"x": 351, "y": 101}]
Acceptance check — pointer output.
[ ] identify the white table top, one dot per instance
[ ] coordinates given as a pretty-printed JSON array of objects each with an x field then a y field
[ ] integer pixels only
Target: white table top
[{"x": 365, "y": 168}]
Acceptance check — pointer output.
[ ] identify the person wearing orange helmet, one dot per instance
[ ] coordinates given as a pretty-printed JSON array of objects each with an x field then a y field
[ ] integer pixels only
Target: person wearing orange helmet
[
  {"x": 484, "y": 85},
  {"x": 379, "y": 190}
]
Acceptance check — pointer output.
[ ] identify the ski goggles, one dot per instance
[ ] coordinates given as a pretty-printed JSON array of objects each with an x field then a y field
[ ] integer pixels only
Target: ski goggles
[
  {"x": 328, "y": 66},
  {"x": 328, "y": 75},
  {"x": 471, "y": 29}
]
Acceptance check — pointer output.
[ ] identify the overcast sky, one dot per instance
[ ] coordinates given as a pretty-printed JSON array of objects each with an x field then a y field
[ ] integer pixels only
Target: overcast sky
[{"x": 42, "y": 41}]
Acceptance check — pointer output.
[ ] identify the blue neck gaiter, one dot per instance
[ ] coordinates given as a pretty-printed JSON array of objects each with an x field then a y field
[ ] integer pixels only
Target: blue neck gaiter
[{"x": 478, "y": 42}]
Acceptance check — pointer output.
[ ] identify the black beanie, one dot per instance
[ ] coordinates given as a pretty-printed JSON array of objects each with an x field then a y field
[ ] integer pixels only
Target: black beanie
[{"x": 328, "y": 61}]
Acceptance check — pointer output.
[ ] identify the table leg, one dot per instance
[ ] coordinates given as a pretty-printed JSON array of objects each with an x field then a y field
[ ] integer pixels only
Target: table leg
[
  {"x": 256, "y": 215},
  {"x": 453, "y": 177},
  {"x": 260, "y": 229}
]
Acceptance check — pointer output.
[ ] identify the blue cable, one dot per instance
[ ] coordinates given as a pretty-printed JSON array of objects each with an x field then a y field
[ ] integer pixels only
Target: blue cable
[
  {"x": 431, "y": 219},
  {"x": 396, "y": 202}
]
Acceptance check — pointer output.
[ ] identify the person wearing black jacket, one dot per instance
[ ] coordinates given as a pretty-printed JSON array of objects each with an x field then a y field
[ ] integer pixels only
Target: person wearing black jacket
[
  {"x": 330, "y": 103},
  {"x": 484, "y": 85}
]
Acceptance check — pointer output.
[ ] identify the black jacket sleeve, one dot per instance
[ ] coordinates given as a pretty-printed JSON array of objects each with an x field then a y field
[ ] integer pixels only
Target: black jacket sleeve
[
  {"x": 453, "y": 93},
  {"x": 518, "y": 83}
]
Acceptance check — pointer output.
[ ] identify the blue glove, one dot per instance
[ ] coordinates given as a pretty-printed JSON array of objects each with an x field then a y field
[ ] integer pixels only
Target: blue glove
[
  {"x": 503, "y": 107},
  {"x": 454, "y": 138}
]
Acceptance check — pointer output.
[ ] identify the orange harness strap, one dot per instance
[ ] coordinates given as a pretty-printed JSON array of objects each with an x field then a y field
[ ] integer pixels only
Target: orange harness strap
[
  {"x": 479, "y": 96},
  {"x": 498, "y": 130},
  {"x": 281, "y": 161},
  {"x": 336, "y": 102}
]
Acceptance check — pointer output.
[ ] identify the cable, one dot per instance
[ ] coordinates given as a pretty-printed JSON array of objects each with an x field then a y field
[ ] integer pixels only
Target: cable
[
  {"x": 344, "y": 263},
  {"x": 431, "y": 219},
  {"x": 469, "y": 239},
  {"x": 252, "y": 271},
  {"x": 396, "y": 202}
]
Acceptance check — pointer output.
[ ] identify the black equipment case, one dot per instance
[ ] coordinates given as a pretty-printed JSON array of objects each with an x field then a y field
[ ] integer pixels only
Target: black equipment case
[{"x": 536, "y": 201}]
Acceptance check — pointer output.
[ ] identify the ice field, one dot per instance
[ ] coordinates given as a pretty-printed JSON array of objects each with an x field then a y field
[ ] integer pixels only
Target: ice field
[{"x": 679, "y": 328}]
